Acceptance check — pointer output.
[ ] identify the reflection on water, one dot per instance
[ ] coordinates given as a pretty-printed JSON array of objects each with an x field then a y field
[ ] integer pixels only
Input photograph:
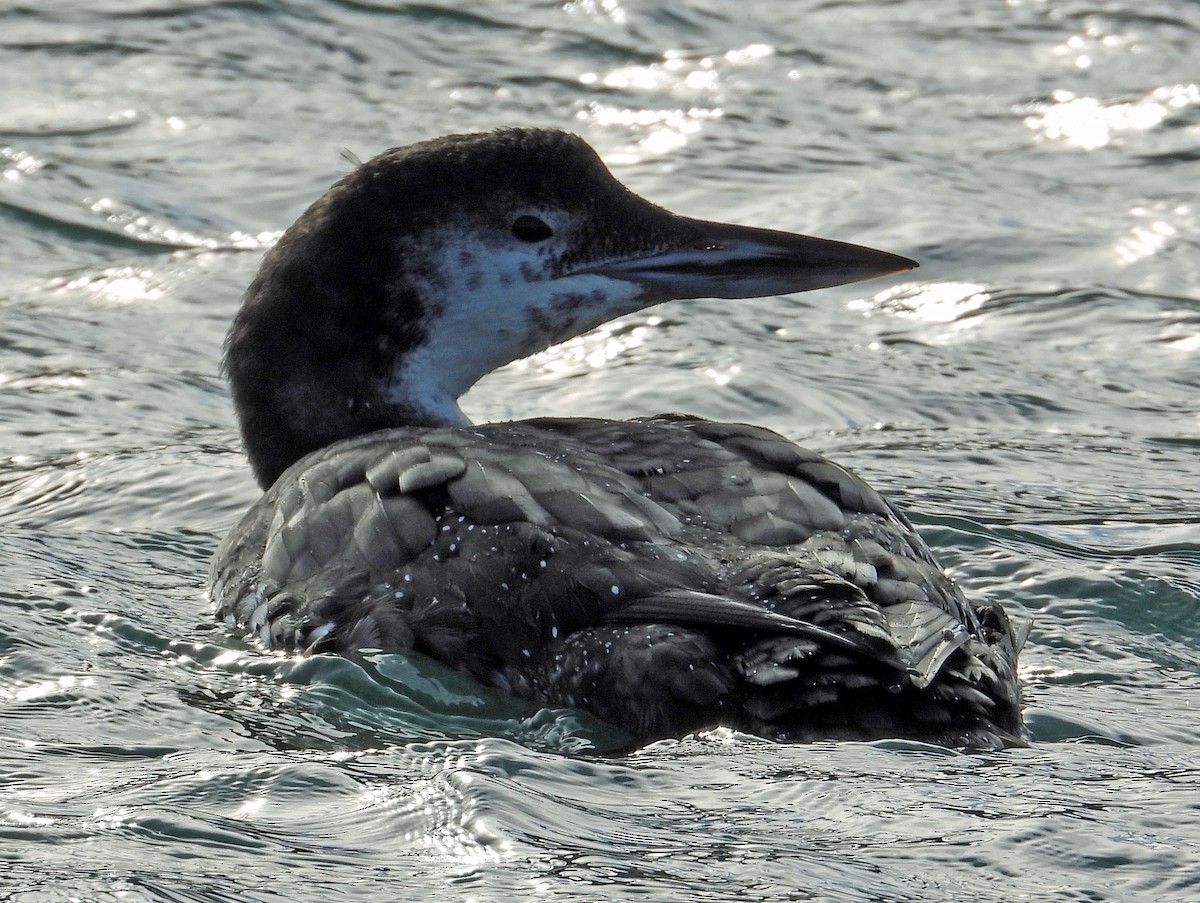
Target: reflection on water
[
  {"x": 943, "y": 302},
  {"x": 696, "y": 81},
  {"x": 1088, "y": 124}
]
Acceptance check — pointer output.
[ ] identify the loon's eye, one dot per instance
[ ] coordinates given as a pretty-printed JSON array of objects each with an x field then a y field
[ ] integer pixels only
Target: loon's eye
[{"x": 531, "y": 229}]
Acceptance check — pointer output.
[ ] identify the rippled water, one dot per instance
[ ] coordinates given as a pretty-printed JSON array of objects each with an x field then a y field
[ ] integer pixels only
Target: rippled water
[{"x": 1031, "y": 394}]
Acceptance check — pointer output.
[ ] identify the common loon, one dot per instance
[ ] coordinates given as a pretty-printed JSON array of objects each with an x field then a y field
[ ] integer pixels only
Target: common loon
[{"x": 668, "y": 573}]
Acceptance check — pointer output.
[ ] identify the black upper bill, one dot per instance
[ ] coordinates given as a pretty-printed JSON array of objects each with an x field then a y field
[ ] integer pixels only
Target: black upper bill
[{"x": 718, "y": 260}]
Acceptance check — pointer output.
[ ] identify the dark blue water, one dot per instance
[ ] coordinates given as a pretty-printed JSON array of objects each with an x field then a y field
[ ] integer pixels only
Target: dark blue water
[{"x": 1031, "y": 394}]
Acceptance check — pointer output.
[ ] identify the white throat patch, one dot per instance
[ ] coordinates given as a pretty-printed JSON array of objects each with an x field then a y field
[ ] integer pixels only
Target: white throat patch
[{"x": 489, "y": 304}]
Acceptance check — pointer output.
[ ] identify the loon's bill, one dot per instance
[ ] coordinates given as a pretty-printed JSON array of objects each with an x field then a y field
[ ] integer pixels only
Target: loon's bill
[
  {"x": 667, "y": 573},
  {"x": 727, "y": 261}
]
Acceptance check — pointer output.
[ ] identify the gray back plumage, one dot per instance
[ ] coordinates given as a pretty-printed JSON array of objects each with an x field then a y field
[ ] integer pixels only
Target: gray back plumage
[{"x": 668, "y": 573}]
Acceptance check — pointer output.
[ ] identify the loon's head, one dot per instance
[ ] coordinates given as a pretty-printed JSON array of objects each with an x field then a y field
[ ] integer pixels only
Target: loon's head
[{"x": 434, "y": 264}]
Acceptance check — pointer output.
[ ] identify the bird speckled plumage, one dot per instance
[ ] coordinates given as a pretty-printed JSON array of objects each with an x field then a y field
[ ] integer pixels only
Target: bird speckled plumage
[{"x": 667, "y": 573}]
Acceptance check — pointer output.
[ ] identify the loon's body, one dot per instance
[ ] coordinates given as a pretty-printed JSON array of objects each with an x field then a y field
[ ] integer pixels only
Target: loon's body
[{"x": 668, "y": 573}]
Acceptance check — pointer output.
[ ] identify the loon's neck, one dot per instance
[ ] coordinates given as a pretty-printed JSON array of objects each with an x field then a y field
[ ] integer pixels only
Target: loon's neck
[
  {"x": 306, "y": 370},
  {"x": 312, "y": 359}
]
